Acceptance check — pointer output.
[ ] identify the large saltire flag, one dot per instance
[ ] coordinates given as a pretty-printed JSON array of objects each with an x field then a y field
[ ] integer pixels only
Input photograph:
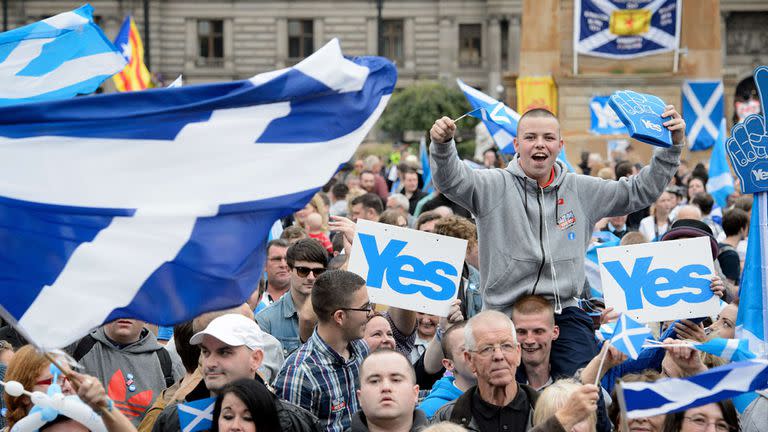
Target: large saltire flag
[
  {"x": 703, "y": 112},
  {"x": 622, "y": 30},
  {"x": 157, "y": 204},
  {"x": 135, "y": 76},
  {"x": 56, "y": 58}
]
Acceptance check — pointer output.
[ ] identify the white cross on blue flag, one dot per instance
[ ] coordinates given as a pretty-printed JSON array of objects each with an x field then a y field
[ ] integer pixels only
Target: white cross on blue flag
[
  {"x": 629, "y": 336},
  {"x": 56, "y": 58},
  {"x": 196, "y": 415},
  {"x": 647, "y": 399},
  {"x": 703, "y": 113},
  {"x": 729, "y": 349},
  {"x": 157, "y": 204},
  {"x": 500, "y": 119}
]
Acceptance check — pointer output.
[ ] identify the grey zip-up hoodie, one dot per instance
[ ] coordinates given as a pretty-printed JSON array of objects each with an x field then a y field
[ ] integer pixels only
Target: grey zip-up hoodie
[
  {"x": 533, "y": 240},
  {"x": 132, "y": 375}
]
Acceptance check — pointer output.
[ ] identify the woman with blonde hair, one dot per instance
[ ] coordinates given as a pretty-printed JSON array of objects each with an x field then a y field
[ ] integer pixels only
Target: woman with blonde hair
[
  {"x": 553, "y": 398},
  {"x": 315, "y": 205}
]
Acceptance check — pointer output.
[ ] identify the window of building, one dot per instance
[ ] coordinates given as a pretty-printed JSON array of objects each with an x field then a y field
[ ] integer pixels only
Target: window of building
[
  {"x": 300, "y": 38},
  {"x": 470, "y": 44},
  {"x": 747, "y": 33},
  {"x": 392, "y": 33},
  {"x": 210, "y": 42}
]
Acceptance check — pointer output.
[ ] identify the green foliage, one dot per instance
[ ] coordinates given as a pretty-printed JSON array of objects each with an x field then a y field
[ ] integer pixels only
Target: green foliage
[{"x": 416, "y": 108}]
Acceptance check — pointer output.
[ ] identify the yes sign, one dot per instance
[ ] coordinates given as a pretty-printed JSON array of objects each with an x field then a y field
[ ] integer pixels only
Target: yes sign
[
  {"x": 659, "y": 281},
  {"x": 406, "y": 268}
]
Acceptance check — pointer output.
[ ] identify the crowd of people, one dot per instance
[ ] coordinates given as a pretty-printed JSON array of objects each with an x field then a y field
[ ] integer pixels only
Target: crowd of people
[{"x": 517, "y": 352}]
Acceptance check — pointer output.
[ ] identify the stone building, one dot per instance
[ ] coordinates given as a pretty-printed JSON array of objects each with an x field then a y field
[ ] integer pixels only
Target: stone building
[{"x": 480, "y": 41}]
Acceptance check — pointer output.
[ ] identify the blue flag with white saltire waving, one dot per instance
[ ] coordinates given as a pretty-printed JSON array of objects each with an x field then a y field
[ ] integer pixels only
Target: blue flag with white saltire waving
[
  {"x": 647, "y": 399},
  {"x": 500, "y": 119},
  {"x": 196, "y": 415},
  {"x": 720, "y": 182},
  {"x": 703, "y": 112},
  {"x": 56, "y": 58},
  {"x": 729, "y": 349},
  {"x": 145, "y": 203},
  {"x": 592, "y": 264},
  {"x": 629, "y": 336},
  {"x": 426, "y": 170},
  {"x": 752, "y": 319}
]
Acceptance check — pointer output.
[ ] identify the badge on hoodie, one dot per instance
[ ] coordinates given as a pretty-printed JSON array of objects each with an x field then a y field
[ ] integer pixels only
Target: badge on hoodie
[
  {"x": 338, "y": 405},
  {"x": 566, "y": 220}
]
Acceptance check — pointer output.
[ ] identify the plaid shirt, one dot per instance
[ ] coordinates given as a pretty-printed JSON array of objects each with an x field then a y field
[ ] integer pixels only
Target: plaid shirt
[{"x": 318, "y": 379}]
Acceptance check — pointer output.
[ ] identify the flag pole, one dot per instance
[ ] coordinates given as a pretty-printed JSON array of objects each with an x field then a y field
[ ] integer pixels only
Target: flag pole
[
  {"x": 462, "y": 116},
  {"x": 623, "y": 424},
  {"x": 602, "y": 362}
]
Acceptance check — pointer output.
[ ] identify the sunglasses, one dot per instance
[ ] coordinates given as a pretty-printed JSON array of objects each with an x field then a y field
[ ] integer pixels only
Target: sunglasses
[{"x": 304, "y": 271}]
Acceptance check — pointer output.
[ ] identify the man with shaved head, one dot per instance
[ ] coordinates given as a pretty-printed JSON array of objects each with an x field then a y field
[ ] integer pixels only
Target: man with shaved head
[{"x": 535, "y": 219}]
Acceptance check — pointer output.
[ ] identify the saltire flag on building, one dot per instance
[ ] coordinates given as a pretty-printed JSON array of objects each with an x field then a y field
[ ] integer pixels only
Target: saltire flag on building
[
  {"x": 135, "y": 76},
  {"x": 609, "y": 28},
  {"x": 157, "y": 204},
  {"x": 647, "y": 399},
  {"x": 196, "y": 415},
  {"x": 629, "y": 336},
  {"x": 56, "y": 58},
  {"x": 729, "y": 349},
  {"x": 703, "y": 112},
  {"x": 720, "y": 182},
  {"x": 499, "y": 119}
]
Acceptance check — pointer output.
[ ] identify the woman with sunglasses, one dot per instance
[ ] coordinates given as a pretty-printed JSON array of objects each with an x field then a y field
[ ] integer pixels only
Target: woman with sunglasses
[{"x": 718, "y": 417}]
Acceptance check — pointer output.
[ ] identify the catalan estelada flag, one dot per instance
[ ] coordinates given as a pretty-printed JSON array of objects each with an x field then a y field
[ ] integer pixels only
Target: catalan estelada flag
[{"x": 135, "y": 76}]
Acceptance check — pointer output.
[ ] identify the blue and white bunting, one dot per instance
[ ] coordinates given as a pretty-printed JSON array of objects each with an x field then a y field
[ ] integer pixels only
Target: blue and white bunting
[
  {"x": 729, "y": 349},
  {"x": 720, "y": 182},
  {"x": 56, "y": 58},
  {"x": 145, "y": 203},
  {"x": 647, "y": 399},
  {"x": 703, "y": 113},
  {"x": 622, "y": 30},
  {"x": 629, "y": 336},
  {"x": 196, "y": 415},
  {"x": 500, "y": 119}
]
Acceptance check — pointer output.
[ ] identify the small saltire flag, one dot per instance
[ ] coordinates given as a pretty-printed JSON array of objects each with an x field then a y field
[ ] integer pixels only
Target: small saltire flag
[
  {"x": 720, "y": 182},
  {"x": 426, "y": 170},
  {"x": 619, "y": 29},
  {"x": 647, "y": 399},
  {"x": 729, "y": 349},
  {"x": 142, "y": 204},
  {"x": 135, "y": 76},
  {"x": 703, "y": 113},
  {"x": 592, "y": 264},
  {"x": 499, "y": 119},
  {"x": 56, "y": 58},
  {"x": 196, "y": 415},
  {"x": 605, "y": 331},
  {"x": 629, "y": 336}
]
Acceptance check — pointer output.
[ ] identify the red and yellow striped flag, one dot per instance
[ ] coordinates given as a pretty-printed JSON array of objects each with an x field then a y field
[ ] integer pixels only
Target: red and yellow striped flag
[{"x": 135, "y": 76}]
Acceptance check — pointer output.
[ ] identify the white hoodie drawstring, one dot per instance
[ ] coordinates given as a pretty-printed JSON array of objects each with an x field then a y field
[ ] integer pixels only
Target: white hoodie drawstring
[{"x": 558, "y": 303}]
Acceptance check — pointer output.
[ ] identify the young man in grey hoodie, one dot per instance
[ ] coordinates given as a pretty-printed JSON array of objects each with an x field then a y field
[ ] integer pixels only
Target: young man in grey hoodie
[{"x": 535, "y": 219}]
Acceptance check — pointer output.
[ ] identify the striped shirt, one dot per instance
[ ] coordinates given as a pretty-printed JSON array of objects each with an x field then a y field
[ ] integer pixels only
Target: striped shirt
[{"x": 320, "y": 380}]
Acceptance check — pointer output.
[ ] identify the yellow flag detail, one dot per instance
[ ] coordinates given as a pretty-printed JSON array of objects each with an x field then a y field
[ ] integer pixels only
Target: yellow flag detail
[{"x": 630, "y": 22}]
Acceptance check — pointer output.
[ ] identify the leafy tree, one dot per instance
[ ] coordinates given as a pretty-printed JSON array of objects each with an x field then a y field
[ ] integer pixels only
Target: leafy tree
[{"x": 416, "y": 108}]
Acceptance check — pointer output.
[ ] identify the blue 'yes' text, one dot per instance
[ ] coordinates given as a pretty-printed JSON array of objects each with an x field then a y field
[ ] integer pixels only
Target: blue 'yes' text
[{"x": 390, "y": 262}]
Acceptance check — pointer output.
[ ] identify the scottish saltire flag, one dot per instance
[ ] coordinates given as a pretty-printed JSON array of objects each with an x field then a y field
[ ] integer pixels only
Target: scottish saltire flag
[
  {"x": 196, "y": 415},
  {"x": 629, "y": 336},
  {"x": 623, "y": 30},
  {"x": 56, "y": 58},
  {"x": 426, "y": 170},
  {"x": 604, "y": 120},
  {"x": 729, "y": 349},
  {"x": 720, "y": 182},
  {"x": 605, "y": 331},
  {"x": 499, "y": 119},
  {"x": 646, "y": 399},
  {"x": 135, "y": 75},
  {"x": 703, "y": 111},
  {"x": 592, "y": 264},
  {"x": 157, "y": 204}
]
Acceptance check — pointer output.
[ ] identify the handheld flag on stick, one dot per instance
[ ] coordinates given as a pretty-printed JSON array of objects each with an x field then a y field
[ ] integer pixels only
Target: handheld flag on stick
[
  {"x": 500, "y": 119},
  {"x": 729, "y": 349},
  {"x": 196, "y": 415},
  {"x": 135, "y": 76},
  {"x": 629, "y": 336},
  {"x": 123, "y": 210},
  {"x": 56, "y": 58}
]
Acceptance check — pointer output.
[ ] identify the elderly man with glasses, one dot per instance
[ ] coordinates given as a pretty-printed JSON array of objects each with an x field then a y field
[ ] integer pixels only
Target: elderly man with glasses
[
  {"x": 498, "y": 402},
  {"x": 322, "y": 375},
  {"x": 307, "y": 260}
]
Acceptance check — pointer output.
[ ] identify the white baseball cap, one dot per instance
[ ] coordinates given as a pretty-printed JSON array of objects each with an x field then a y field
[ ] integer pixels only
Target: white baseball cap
[{"x": 233, "y": 330}]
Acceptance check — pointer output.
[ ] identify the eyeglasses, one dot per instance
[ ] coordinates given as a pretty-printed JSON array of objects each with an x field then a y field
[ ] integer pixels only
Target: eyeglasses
[
  {"x": 368, "y": 309},
  {"x": 488, "y": 350},
  {"x": 702, "y": 423},
  {"x": 304, "y": 271}
]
